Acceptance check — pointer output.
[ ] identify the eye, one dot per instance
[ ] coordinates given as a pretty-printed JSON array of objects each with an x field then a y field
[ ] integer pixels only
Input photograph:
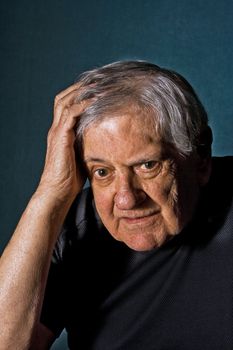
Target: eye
[
  {"x": 101, "y": 173},
  {"x": 149, "y": 169},
  {"x": 150, "y": 165}
]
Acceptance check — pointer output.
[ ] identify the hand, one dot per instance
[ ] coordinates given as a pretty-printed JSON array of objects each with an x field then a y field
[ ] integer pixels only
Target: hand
[{"x": 62, "y": 177}]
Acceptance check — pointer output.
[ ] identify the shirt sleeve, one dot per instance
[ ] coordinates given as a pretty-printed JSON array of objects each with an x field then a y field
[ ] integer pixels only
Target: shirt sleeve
[{"x": 53, "y": 308}]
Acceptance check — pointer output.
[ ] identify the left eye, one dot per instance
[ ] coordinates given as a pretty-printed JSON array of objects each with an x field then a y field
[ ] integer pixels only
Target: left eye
[{"x": 149, "y": 165}]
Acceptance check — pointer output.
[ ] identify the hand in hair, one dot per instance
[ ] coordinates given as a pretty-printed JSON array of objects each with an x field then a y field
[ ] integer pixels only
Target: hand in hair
[{"x": 61, "y": 178}]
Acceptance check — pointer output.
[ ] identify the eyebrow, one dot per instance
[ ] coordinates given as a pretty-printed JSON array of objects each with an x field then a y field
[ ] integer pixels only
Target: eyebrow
[
  {"x": 91, "y": 159},
  {"x": 133, "y": 163}
]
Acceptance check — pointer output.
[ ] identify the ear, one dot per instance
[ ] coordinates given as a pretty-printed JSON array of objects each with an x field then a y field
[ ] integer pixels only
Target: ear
[
  {"x": 204, "y": 156},
  {"x": 204, "y": 170}
]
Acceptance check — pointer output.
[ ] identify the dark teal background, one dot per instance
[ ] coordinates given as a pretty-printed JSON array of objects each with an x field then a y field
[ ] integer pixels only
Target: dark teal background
[{"x": 46, "y": 44}]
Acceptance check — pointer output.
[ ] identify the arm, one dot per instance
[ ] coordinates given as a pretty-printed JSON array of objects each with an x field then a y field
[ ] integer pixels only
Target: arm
[{"x": 25, "y": 262}]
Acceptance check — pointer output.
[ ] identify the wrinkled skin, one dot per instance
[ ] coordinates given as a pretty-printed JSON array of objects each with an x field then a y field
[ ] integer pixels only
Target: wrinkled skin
[{"x": 144, "y": 192}]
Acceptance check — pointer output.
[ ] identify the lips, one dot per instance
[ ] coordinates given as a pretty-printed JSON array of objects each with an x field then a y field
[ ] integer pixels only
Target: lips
[
  {"x": 138, "y": 219},
  {"x": 136, "y": 214}
]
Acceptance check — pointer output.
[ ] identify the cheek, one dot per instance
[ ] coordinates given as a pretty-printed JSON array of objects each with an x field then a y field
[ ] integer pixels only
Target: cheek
[
  {"x": 104, "y": 202},
  {"x": 162, "y": 191},
  {"x": 104, "y": 206}
]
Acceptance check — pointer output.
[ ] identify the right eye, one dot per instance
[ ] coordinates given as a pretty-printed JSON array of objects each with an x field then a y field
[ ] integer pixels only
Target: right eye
[{"x": 101, "y": 173}]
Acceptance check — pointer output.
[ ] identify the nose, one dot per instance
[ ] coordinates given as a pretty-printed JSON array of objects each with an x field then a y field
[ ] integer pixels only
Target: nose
[{"x": 128, "y": 197}]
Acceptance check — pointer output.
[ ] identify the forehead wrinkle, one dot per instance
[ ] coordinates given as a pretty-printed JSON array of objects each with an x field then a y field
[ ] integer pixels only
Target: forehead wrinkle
[
  {"x": 145, "y": 121},
  {"x": 114, "y": 136},
  {"x": 137, "y": 158},
  {"x": 130, "y": 107},
  {"x": 132, "y": 140}
]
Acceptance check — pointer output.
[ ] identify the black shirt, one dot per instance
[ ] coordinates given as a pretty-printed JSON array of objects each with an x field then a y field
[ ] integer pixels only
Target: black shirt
[{"x": 178, "y": 296}]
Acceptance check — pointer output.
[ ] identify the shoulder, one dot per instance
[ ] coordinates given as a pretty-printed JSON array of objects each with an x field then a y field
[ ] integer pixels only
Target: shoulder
[
  {"x": 223, "y": 166},
  {"x": 221, "y": 181},
  {"x": 217, "y": 196}
]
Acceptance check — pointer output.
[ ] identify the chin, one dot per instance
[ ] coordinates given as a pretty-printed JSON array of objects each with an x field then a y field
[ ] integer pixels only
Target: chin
[
  {"x": 143, "y": 243},
  {"x": 143, "y": 239}
]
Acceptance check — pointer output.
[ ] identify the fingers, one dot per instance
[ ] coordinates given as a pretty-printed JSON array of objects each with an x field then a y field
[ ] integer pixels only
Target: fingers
[
  {"x": 65, "y": 105},
  {"x": 65, "y": 92},
  {"x": 70, "y": 114},
  {"x": 64, "y": 99}
]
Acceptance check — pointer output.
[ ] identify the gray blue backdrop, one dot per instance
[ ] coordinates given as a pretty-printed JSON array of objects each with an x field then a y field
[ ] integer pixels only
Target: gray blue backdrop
[{"x": 46, "y": 44}]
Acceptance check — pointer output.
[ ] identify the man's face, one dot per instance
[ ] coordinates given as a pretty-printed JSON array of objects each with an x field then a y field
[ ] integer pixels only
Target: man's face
[{"x": 144, "y": 193}]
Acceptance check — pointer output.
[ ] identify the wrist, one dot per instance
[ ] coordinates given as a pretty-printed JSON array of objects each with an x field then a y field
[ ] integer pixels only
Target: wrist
[
  {"x": 55, "y": 196},
  {"x": 49, "y": 204}
]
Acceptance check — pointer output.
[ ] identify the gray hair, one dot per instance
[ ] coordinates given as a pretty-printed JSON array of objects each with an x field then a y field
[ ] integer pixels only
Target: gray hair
[{"x": 180, "y": 118}]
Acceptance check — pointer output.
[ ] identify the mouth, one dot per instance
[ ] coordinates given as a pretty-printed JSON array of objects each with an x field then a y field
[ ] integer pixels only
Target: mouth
[{"x": 139, "y": 219}]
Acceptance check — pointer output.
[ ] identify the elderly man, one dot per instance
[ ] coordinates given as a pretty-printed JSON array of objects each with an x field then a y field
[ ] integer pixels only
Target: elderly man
[{"x": 142, "y": 259}]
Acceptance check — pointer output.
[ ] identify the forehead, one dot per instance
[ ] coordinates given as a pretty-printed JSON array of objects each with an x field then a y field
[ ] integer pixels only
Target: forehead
[
  {"x": 122, "y": 136},
  {"x": 131, "y": 120}
]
